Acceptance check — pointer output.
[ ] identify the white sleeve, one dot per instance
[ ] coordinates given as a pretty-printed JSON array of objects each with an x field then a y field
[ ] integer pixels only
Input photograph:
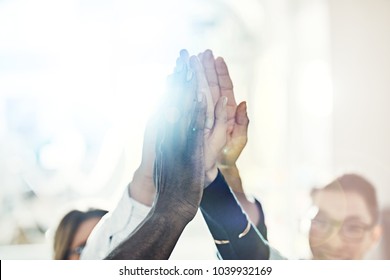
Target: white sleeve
[
  {"x": 114, "y": 227},
  {"x": 275, "y": 254}
]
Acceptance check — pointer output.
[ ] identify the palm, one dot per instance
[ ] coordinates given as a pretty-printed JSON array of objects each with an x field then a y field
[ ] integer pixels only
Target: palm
[
  {"x": 236, "y": 138},
  {"x": 220, "y": 84}
]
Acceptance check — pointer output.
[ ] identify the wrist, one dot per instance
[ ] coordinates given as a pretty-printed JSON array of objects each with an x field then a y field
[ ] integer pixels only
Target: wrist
[
  {"x": 229, "y": 170},
  {"x": 232, "y": 177},
  {"x": 141, "y": 188},
  {"x": 210, "y": 175}
]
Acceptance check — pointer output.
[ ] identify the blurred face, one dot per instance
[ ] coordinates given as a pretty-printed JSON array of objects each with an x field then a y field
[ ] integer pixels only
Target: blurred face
[
  {"x": 81, "y": 237},
  {"x": 343, "y": 227}
]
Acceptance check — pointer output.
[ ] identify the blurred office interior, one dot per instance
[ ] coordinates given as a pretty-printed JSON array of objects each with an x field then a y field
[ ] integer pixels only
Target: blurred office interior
[{"x": 79, "y": 78}]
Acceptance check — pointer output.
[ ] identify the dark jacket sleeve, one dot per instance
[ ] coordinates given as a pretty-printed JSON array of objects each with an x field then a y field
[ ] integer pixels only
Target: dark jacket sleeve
[
  {"x": 261, "y": 226},
  {"x": 234, "y": 234}
]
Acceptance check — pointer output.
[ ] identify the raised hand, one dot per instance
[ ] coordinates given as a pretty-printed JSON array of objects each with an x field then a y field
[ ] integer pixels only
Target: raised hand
[
  {"x": 216, "y": 121},
  {"x": 221, "y": 108},
  {"x": 236, "y": 138},
  {"x": 142, "y": 188},
  {"x": 178, "y": 170},
  {"x": 179, "y": 166},
  {"x": 221, "y": 85}
]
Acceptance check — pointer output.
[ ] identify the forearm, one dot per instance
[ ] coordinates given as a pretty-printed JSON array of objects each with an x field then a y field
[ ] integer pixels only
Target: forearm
[
  {"x": 154, "y": 238},
  {"x": 235, "y": 236},
  {"x": 232, "y": 177}
]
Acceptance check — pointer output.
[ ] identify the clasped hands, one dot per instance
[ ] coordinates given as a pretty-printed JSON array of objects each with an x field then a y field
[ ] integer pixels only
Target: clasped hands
[{"x": 197, "y": 127}]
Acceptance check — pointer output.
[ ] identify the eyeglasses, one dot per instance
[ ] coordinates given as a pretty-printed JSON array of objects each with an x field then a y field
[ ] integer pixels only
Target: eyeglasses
[
  {"x": 76, "y": 251},
  {"x": 352, "y": 231}
]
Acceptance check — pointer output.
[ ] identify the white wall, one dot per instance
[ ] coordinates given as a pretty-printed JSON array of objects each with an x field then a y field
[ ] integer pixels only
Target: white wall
[{"x": 360, "y": 58}]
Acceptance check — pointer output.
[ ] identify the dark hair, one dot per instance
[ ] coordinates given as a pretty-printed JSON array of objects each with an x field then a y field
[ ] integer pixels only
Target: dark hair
[
  {"x": 359, "y": 185},
  {"x": 67, "y": 229}
]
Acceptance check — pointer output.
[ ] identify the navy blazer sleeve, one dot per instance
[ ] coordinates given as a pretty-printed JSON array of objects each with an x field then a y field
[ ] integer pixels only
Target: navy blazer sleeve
[
  {"x": 235, "y": 236},
  {"x": 261, "y": 226}
]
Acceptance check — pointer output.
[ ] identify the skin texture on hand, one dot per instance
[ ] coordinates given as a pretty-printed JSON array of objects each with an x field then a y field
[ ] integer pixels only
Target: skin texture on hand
[
  {"x": 220, "y": 83},
  {"x": 215, "y": 84},
  {"x": 236, "y": 142},
  {"x": 179, "y": 164},
  {"x": 142, "y": 187},
  {"x": 219, "y": 110},
  {"x": 216, "y": 122},
  {"x": 178, "y": 173}
]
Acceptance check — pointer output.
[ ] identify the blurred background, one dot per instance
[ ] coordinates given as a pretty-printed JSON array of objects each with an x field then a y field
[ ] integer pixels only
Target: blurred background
[{"x": 79, "y": 78}]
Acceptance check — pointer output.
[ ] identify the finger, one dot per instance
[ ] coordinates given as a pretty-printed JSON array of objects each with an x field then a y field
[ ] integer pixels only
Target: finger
[
  {"x": 199, "y": 115},
  {"x": 242, "y": 120},
  {"x": 181, "y": 67},
  {"x": 185, "y": 57},
  {"x": 225, "y": 82},
  {"x": 242, "y": 115},
  {"x": 188, "y": 107},
  {"x": 203, "y": 90},
  {"x": 180, "y": 82},
  {"x": 197, "y": 126},
  {"x": 208, "y": 63},
  {"x": 196, "y": 141},
  {"x": 219, "y": 130},
  {"x": 175, "y": 112},
  {"x": 182, "y": 72}
]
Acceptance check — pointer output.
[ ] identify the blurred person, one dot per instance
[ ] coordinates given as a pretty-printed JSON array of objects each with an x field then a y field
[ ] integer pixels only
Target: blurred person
[
  {"x": 346, "y": 225},
  {"x": 73, "y": 231}
]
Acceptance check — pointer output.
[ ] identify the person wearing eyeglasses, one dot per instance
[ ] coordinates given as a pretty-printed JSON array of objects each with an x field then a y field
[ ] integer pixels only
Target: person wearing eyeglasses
[
  {"x": 73, "y": 231},
  {"x": 346, "y": 225}
]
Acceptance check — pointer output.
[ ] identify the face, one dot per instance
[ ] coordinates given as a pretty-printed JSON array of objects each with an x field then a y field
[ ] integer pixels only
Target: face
[
  {"x": 342, "y": 228},
  {"x": 81, "y": 237}
]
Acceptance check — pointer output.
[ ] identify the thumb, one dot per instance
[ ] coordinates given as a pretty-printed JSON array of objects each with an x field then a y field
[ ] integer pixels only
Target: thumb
[
  {"x": 242, "y": 120},
  {"x": 220, "y": 124},
  {"x": 221, "y": 111}
]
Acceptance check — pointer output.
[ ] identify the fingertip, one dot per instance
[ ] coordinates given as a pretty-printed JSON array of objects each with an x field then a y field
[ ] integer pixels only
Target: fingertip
[
  {"x": 220, "y": 59},
  {"x": 208, "y": 53},
  {"x": 184, "y": 53},
  {"x": 242, "y": 106},
  {"x": 241, "y": 114},
  {"x": 221, "y": 66}
]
